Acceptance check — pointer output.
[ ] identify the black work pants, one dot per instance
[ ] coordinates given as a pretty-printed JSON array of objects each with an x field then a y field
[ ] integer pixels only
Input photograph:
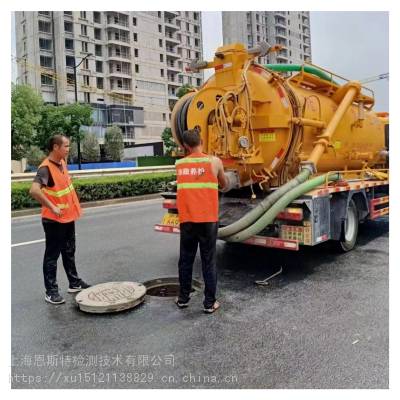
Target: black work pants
[
  {"x": 202, "y": 234},
  {"x": 60, "y": 238}
]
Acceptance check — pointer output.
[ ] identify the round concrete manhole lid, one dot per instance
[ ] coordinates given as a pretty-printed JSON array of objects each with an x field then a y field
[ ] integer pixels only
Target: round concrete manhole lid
[{"x": 111, "y": 297}]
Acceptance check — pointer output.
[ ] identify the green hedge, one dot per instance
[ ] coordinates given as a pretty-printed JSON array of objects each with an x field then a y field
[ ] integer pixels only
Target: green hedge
[
  {"x": 91, "y": 189},
  {"x": 150, "y": 161}
]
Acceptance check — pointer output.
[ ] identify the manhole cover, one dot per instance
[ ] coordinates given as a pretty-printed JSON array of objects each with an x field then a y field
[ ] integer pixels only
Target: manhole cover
[
  {"x": 168, "y": 287},
  {"x": 111, "y": 297}
]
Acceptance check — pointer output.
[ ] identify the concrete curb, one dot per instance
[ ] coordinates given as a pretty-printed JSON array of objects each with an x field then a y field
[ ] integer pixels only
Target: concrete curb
[{"x": 90, "y": 204}]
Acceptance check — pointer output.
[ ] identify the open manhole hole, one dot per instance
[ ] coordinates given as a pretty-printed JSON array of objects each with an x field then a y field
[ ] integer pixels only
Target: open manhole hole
[{"x": 168, "y": 287}]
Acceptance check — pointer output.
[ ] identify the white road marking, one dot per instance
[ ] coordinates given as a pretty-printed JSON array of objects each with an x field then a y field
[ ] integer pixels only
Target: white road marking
[{"x": 26, "y": 243}]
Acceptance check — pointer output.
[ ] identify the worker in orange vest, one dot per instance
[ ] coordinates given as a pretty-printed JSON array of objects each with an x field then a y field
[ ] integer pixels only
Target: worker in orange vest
[
  {"x": 198, "y": 176},
  {"x": 53, "y": 189}
]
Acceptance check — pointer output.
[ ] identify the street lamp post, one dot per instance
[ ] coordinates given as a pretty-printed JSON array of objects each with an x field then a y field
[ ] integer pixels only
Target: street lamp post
[{"x": 76, "y": 101}]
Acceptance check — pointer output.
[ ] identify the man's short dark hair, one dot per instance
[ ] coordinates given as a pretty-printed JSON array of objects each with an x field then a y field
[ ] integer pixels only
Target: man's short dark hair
[
  {"x": 56, "y": 139},
  {"x": 191, "y": 138}
]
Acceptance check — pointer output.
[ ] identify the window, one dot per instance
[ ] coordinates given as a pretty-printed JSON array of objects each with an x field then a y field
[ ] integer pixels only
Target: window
[
  {"x": 188, "y": 40},
  {"x": 45, "y": 44},
  {"x": 197, "y": 55},
  {"x": 44, "y": 26},
  {"x": 98, "y": 51},
  {"x": 135, "y": 37},
  {"x": 83, "y": 30},
  {"x": 24, "y": 47},
  {"x": 198, "y": 81},
  {"x": 70, "y": 61},
  {"x": 46, "y": 13},
  {"x": 162, "y": 73},
  {"x": 186, "y": 14},
  {"x": 159, "y": 14},
  {"x": 46, "y": 79},
  {"x": 100, "y": 83},
  {"x": 188, "y": 53},
  {"x": 197, "y": 42},
  {"x": 86, "y": 97},
  {"x": 137, "y": 68},
  {"x": 257, "y": 18},
  {"x": 69, "y": 44},
  {"x": 97, "y": 17},
  {"x": 46, "y": 62},
  {"x": 85, "y": 47},
  {"x": 70, "y": 79},
  {"x": 23, "y": 29},
  {"x": 134, "y": 21},
  {"x": 97, "y": 33},
  {"x": 136, "y": 53},
  {"x": 160, "y": 28},
  {"x": 161, "y": 57},
  {"x": 190, "y": 80},
  {"x": 68, "y": 26},
  {"x": 86, "y": 80},
  {"x": 187, "y": 26},
  {"x": 86, "y": 64},
  {"x": 99, "y": 66},
  {"x": 83, "y": 14},
  {"x": 180, "y": 78},
  {"x": 196, "y": 29},
  {"x": 69, "y": 13},
  {"x": 160, "y": 42},
  {"x": 196, "y": 16},
  {"x": 164, "y": 117}
]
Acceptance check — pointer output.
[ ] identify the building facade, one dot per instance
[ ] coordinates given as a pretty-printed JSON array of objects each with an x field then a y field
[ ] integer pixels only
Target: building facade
[
  {"x": 135, "y": 64},
  {"x": 291, "y": 29}
]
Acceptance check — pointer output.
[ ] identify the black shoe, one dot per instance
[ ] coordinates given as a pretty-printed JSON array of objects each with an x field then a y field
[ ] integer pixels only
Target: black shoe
[
  {"x": 77, "y": 288},
  {"x": 212, "y": 309},
  {"x": 181, "y": 304},
  {"x": 54, "y": 298}
]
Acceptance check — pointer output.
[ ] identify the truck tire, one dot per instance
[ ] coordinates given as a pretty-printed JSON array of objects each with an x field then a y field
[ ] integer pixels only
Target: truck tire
[{"x": 349, "y": 228}]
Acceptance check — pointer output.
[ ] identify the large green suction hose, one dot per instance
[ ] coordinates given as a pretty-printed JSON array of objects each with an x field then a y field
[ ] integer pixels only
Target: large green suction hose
[
  {"x": 296, "y": 67},
  {"x": 264, "y": 206},
  {"x": 278, "y": 206}
]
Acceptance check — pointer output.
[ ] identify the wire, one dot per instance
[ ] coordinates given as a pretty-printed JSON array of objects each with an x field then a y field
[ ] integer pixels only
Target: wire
[{"x": 375, "y": 78}]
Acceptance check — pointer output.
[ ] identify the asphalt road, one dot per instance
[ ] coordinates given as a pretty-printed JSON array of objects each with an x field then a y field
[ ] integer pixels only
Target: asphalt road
[{"x": 322, "y": 323}]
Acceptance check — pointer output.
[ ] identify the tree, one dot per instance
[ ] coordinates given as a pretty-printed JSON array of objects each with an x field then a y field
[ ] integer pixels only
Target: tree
[
  {"x": 26, "y": 106},
  {"x": 186, "y": 88},
  {"x": 66, "y": 119},
  {"x": 90, "y": 148},
  {"x": 169, "y": 144},
  {"x": 73, "y": 152},
  {"x": 35, "y": 156},
  {"x": 113, "y": 143}
]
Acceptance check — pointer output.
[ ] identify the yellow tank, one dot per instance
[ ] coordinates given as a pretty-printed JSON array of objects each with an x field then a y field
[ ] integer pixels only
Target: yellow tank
[{"x": 265, "y": 126}]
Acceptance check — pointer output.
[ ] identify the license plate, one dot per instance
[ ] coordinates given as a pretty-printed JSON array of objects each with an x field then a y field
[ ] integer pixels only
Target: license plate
[{"x": 171, "y": 220}]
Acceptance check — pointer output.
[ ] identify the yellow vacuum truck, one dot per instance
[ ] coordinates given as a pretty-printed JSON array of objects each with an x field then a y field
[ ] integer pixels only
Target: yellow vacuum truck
[{"x": 305, "y": 155}]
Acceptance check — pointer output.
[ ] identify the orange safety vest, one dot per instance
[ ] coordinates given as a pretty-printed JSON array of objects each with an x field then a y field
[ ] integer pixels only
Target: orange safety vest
[
  {"x": 197, "y": 196},
  {"x": 62, "y": 194}
]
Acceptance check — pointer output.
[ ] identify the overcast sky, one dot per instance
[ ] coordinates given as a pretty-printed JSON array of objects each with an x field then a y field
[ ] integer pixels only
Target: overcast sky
[{"x": 354, "y": 45}]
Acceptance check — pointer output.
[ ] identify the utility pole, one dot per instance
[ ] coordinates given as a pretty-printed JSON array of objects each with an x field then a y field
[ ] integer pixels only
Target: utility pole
[{"x": 76, "y": 101}]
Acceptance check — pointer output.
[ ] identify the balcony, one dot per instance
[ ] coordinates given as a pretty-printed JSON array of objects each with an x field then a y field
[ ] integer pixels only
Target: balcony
[
  {"x": 172, "y": 53},
  {"x": 306, "y": 32},
  {"x": 171, "y": 40},
  {"x": 173, "y": 80},
  {"x": 171, "y": 14},
  {"x": 281, "y": 34},
  {"x": 173, "y": 67},
  {"x": 117, "y": 23},
  {"x": 170, "y": 23},
  {"x": 113, "y": 56},
  {"x": 280, "y": 14},
  {"x": 118, "y": 40},
  {"x": 119, "y": 74}
]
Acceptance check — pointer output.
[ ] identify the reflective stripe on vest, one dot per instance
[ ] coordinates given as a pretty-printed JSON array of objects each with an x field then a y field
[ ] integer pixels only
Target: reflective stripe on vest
[
  {"x": 189, "y": 160},
  {"x": 60, "y": 193},
  {"x": 200, "y": 185}
]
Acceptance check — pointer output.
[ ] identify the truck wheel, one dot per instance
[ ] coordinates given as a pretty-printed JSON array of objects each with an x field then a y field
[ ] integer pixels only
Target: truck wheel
[{"x": 349, "y": 228}]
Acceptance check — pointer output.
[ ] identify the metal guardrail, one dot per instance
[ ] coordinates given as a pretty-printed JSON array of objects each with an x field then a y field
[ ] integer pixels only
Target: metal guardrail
[{"x": 88, "y": 173}]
